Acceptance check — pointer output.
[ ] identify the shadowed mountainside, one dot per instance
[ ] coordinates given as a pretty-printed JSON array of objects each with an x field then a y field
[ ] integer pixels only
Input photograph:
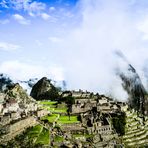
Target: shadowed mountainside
[{"x": 44, "y": 90}]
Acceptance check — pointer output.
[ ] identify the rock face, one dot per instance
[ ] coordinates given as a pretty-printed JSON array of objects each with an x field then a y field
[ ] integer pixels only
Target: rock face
[
  {"x": 17, "y": 93},
  {"x": 44, "y": 90},
  {"x": 20, "y": 95},
  {"x": 135, "y": 89}
]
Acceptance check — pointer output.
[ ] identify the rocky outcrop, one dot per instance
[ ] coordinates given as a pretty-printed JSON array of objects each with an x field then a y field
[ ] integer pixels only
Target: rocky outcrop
[
  {"x": 132, "y": 84},
  {"x": 135, "y": 89},
  {"x": 15, "y": 94},
  {"x": 44, "y": 90}
]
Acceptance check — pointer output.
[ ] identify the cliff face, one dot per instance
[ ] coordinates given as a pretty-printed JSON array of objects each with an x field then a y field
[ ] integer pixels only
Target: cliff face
[
  {"x": 44, "y": 90},
  {"x": 15, "y": 94},
  {"x": 135, "y": 89},
  {"x": 20, "y": 95}
]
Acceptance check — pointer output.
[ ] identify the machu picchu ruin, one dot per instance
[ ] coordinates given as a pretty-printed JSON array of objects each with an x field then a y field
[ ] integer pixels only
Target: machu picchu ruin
[{"x": 73, "y": 119}]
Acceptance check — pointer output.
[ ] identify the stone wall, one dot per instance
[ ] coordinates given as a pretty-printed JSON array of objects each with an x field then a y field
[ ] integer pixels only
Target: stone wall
[
  {"x": 72, "y": 127},
  {"x": 41, "y": 113},
  {"x": 5, "y": 119},
  {"x": 107, "y": 129},
  {"x": 17, "y": 128},
  {"x": 80, "y": 109}
]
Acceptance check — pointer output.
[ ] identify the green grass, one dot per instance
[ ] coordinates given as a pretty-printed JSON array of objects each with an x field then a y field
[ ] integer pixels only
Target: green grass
[
  {"x": 62, "y": 119},
  {"x": 48, "y": 102},
  {"x": 34, "y": 131},
  {"x": 36, "y": 128},
  {"x": 51, "y": 118},
  {"x": 39, "y": 134},
  {"x": 58, "y": 110},
  {"x": 43, "y": 137},
  {"x": 51, "y": 106},
  {"x": 65, "y": 119},
  {"x": 58, "y": 139}
]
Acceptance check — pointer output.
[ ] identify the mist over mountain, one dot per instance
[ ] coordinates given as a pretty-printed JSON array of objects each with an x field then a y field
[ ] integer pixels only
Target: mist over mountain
[
  {"x": 132, "y": 84},
  {"x": 4, "y": 81}
]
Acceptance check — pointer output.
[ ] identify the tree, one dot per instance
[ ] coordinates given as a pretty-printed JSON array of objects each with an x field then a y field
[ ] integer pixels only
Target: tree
[
  {"x": 119, "y": 122},
  {"x": 69, "y": 101}
]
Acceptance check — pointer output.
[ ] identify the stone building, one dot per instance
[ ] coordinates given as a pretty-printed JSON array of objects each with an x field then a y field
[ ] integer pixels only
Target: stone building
[
  {"x": 1, "y": 108},
  {"x": 12, "y": 105},
  {"x": 106, "y": 129},
  {"x": 5, "y": 119},
  {"x": 103, "y": 100},
  {"x": 41, "y": 113},
  {"x": 15, "y": 116}
]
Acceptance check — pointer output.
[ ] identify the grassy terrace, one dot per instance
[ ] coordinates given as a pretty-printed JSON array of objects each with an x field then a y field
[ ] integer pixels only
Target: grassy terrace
[
  {"x": 43, "y": 137},
  {"x": 66, "y": 120},
  {"x": 61, "y": 119},
  {"x": 48, "y": 102},
  {"x": 135, "y": 136},
  {"x": 51, "y": 118},
  {"x": 52, "y": 107},
  {"x": 34, "y": 131},
  {"x": 58, "y": 138},
  {"x": 56, "y": 110},
  {"x": 39, "y": 134}
]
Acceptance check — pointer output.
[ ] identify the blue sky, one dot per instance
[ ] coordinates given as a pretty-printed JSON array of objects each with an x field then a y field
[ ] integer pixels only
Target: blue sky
[{"x": 74, "y": 40}]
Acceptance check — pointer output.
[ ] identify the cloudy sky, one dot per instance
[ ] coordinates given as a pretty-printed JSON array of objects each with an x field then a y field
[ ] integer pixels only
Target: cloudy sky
[{"x": 74, "y": 40}]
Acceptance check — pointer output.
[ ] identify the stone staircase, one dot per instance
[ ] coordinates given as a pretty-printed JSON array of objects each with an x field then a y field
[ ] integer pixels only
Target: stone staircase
[{"x": 136, "y": 131}]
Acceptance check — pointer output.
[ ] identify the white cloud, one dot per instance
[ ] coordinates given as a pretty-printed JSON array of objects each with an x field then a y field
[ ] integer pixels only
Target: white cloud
[
  {"x": 30, "y": 6},
  {"x": 142, "y": 26},
  {"x": 38, "y": 42},
  {"x": 45, "y": 16},
  {"x": 57, "y": 73},
  {"x": 3, "y": 22},
  {"x": 20, "y": 19},
  {"x": 35, "y": 7},
  {"x": 52, "y": 9},
  {"x": 87, "y": 51},
  {"x": 24, "y": 71},
  {"x": 8, "y": 46},
  {"x": 55, "y": 39},
  {"x": 3, "y": 3}
]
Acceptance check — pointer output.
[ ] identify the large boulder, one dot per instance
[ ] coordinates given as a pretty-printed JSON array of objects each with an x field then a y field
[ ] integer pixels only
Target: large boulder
[{"x": 44, "y": 90}]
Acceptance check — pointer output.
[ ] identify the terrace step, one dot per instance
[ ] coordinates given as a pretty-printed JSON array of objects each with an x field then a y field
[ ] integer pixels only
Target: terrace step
[{"x": 136, "y": 133}]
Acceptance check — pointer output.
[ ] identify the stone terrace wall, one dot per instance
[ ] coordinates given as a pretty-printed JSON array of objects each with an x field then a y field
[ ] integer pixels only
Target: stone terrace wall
[
  {"x": 72, "y": 127},
  {"x": 107, "y": 129},
  {"x": 17, "y": 128}
]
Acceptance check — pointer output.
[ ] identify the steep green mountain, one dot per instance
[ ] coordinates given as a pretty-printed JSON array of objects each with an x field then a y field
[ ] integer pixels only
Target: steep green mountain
[
  {"x": 132, "y": 84},
  {"x": 135, "y": 89},
  {"x": 44, "y": 90}
]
